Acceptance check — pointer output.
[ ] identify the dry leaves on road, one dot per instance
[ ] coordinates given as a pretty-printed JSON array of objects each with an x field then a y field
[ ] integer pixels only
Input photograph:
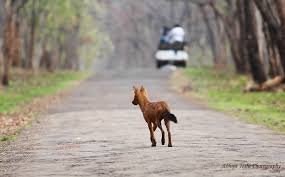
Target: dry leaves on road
[{"x": 11, "y": 123}]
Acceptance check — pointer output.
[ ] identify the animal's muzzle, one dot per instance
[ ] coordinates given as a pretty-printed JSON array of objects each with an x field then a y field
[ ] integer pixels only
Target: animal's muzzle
[{"x": 134, "y": 103}]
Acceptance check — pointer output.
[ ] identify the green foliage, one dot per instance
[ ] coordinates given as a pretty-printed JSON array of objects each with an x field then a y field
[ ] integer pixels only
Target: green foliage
[
  {"x": 56, "y": 19},
  {"x": 61, "y": 15},
  {"x": 98, "y": 42},
  {"x": 7, "y": 138},
  {"x": 223, "y": 91}
]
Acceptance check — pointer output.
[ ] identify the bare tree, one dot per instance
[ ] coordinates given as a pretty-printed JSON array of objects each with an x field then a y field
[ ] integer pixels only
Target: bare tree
[{"x": 11, "y": 45}]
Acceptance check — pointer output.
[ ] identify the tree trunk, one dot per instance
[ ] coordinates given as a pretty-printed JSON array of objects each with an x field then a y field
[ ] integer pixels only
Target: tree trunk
[
  {"x": 32, "y": 38},
  {"x": 272, "y": 20},
  {"x": 16, "y": 59},
  {"x": 234, "y": 30},
  {"x": 256, "y": 66},
  {"x": 8, "y": 44},
  {"x": 260, "y": 37},
  {"x": 275, "y": 67},
  {"x": 71, "y": 48},
  {"x": 281, "y": 41},
  {"x": 243, "y": 60},
  {"x": 215, "y": 39}
]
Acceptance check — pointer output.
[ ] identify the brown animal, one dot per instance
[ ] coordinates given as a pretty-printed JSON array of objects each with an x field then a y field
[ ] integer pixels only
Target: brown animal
[{"x": 153, "y": 113}]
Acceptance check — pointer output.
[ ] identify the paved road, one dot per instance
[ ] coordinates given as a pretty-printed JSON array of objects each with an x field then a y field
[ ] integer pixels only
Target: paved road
[{"x": 96, "y": 131}]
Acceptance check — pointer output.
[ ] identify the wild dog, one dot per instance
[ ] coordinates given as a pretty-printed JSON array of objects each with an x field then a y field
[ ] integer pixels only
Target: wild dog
[{"x": 153, "y": 113}]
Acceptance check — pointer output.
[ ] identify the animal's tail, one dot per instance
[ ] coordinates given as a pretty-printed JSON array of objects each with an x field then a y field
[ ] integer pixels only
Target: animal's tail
[{"x": 169, "y": 116}]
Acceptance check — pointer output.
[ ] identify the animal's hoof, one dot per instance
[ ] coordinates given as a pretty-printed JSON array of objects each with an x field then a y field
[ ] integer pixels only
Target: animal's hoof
[
  {"x": 162, "y": 142},
  {"x": 170, "y": 145},
  {"x": 153, "y": 145}
]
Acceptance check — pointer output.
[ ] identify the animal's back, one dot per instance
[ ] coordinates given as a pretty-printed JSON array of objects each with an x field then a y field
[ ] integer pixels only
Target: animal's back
[
  {"x": 159, "y": 106},
  {"x": 154, "y": 110}
]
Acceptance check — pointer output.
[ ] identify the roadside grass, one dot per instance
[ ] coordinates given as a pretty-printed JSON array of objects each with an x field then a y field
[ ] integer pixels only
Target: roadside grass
[
  {"x": 27, "y": 95},
  {"x": 26, "y": 86},
  {"x": 7, "y": 138},
  {"x": 224, "y": 91}
]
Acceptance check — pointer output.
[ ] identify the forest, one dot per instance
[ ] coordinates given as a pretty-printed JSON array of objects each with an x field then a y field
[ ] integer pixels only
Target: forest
[
  {"x": 253, "y": 32},
  {"x": 65, "y": 34},
  {"x": 47, "y": 35}
]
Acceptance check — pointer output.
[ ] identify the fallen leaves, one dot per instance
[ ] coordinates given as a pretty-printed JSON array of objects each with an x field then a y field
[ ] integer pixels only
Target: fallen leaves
[{"x": 11, "y": 123}]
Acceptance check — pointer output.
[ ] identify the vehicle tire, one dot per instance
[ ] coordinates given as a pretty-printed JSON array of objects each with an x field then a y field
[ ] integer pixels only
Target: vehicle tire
[
  {"x": 180, "y": 64},
  {"x": 158, "y": 64},
  {"x": 183, "y": 64}
]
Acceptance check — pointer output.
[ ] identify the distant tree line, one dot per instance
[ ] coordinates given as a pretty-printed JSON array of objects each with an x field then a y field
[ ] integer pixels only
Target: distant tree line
[
  {"x": 54, "y": 34},
  {"x": 43, "y": 34}
]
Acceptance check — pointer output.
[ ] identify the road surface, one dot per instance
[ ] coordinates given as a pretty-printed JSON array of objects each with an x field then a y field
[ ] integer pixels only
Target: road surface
[{"x": 96, "y": 131}]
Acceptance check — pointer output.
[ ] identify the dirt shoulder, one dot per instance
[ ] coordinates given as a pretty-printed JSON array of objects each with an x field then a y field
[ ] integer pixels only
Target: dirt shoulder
[{"x": 34, "y": 96}]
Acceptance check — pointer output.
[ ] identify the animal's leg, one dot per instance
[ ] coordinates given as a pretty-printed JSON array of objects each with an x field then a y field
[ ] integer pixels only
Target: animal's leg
[
  {"x": 154, "y": 127},
  {"x": 152, "y": 139},
  {"x": 162, "y": 133},
  {"x": 167, "y": 124}
]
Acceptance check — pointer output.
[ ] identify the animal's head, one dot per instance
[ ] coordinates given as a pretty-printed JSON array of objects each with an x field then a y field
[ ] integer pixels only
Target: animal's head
[
  {"x": 136, "y": 93},
  {"x": 139, "y": 93}
]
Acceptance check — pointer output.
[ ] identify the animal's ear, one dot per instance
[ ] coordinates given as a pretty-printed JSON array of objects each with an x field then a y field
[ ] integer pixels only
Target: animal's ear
[
  {"x": 134, "y": 87},
  {"x": 142, "y": 89}
]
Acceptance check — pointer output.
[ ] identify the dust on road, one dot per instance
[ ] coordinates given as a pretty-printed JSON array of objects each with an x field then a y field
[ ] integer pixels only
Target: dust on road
[{"x": 96, "y": 131}]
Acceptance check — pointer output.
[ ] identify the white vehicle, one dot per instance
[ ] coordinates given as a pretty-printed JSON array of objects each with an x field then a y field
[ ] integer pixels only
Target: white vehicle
[{"x": 164, "y": 57}]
